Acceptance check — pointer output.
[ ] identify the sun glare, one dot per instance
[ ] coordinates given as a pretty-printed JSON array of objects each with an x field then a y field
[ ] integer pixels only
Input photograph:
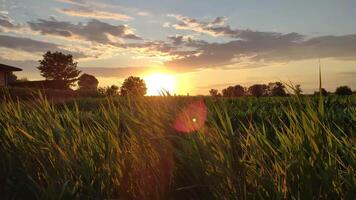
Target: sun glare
[{"x": 157, "y": 83}]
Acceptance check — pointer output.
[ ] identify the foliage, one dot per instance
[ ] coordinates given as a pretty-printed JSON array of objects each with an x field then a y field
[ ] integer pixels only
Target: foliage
[
  {"x": 109, "y": 91},
  {"x": 258, "y": 90},
  {"x": 133, "y": 86},
  {"x": 11, "y": 77},
  {"x": 87, "y": 82},
  {"x": 115, "y": 148},
  {"x": 214, "y": 92},
  {"x": 343, "y": 90},
  {"x": 59, "y": 66},
  {"x": 323, "y": 92},
  {"x": 276, "y": 89},
  {"x": 233, "y": 91},
  {"x": 297, "y": 90}
]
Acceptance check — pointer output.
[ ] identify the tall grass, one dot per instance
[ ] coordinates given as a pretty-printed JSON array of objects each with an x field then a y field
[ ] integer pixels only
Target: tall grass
[{"x": 249, "y": 148}]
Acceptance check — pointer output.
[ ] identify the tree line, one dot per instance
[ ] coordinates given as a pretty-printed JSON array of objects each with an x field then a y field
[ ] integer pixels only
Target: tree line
[{"x": 270, "y": 89}]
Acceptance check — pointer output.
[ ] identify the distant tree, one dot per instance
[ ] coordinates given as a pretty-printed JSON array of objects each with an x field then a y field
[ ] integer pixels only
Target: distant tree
[
  {"x": 298, "y": 90},
  {"x": 11, "y": 77},
  {"x": 112, "y": 90},
  {"x": 323, "y": 92},
  {"x": 108, "y": 91},
  {"x": 214, "y": 92},
  {"x": 276, "y": 89},
  {"x": 234, "y": 91},
  {"x": 228, "y": 92},
  {"x": 59, "y": 66},
  {"x": 258, "y": 90},
  {"x": 133, "y": 86},
  {"x": 88, "y": 82},
  {"x": 239, "y": 91},
  {"x": 343, "y": 90}
]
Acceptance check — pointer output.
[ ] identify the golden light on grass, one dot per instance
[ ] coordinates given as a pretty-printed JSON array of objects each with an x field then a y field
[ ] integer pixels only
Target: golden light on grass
[{"x": 159, "y": 82}]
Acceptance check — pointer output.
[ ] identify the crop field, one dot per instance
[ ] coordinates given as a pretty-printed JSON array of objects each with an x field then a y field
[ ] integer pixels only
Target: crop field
[{"x": 179, "y": 148}]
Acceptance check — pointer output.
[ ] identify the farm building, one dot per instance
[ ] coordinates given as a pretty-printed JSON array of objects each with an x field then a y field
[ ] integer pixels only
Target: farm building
[{"x": 4, "y": 71}]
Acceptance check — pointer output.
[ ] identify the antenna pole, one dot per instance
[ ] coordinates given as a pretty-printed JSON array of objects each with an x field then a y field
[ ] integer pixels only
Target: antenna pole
[{"x": 319, "y": 76}]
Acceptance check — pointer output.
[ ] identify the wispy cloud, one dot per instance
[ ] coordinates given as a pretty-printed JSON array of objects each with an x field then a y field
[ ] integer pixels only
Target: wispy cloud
[
  {"x": 92, "y": 31},
  {"x": 143, "y": 13},
  {"x": 6, "y": 23},
  {"x": 117, "y": 72},
  {"x": 77, "y": 2},
  {"x": 96, "y": 14},
  {"x": 27, "y": 47},
  {"x": 215, "y": 27}
]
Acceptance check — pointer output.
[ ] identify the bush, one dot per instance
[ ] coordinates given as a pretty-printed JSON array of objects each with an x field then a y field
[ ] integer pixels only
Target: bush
[{"x": 343, "y": 91}]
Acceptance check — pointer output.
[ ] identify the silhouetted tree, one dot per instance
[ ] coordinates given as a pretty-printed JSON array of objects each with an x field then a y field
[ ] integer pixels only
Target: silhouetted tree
[
  {"x": 276, "y": 89},
  {"x": 59, "y": 66},
  {"x": 234, "y": 91},
  {"x": 343, "y": 90},
  {"x": 214, "y": 92},
  {"x": 298, "y": 90},
  {"x": 239, "y": 91},
  {"x": 88, "y": 82},
  {"x": 323, "y": 92},
  {"x": 11, "y": 77},
  {"x": 112, "y": 90},
  {"x": 258, "y": 90},
  {"x": 133, "y": 86},
  {"x": 228, "y": 92}
]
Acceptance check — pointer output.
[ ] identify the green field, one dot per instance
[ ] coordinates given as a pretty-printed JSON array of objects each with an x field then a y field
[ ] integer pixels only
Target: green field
[{"x": 118, "y": 148}]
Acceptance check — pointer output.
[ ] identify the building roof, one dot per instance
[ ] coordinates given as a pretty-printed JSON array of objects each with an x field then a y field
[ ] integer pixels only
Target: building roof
[{"x": 8, "y": 68}]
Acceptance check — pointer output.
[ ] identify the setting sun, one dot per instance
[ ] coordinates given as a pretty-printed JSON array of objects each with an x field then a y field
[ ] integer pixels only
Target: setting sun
[{"x": 157, "y": 83}]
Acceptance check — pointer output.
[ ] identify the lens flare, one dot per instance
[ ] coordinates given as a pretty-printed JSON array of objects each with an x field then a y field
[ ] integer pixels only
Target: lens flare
[{"x": 192, "y": 117}]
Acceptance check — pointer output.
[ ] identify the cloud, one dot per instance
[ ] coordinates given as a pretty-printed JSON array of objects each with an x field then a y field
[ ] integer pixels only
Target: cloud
[
  {"x": 217, "y": 27},
  {"x": 6, "y": 23},
  {"x": 143, "y": 13},
  {"x": 214, "y": 28},
  {"x": 118, "y": 72},
  {"x": 92, "y": 31},
  {"x": 75, "y": 2},
  {"x": 252, "y": 48},
  {"x": 90, "y": 13},
  {"x": 33, "y": 46},
  {"x": 258, "y": 48}
]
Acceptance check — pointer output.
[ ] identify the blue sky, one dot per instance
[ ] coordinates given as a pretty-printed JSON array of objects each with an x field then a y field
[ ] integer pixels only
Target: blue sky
[{"x": 219, "y": 42}]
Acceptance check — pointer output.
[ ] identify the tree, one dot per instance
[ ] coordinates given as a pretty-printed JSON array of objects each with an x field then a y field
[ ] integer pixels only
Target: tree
[
  {"x": 239, "y": 91},
  {"x": 228, "y": 92},
  {"x": 88, "y": 82},
  {"x": 323, "y": 92},
  {"x": 276, "y": 89},
  {"x": 133, "y": 86},
  {"x": 59, "y": 66},
  {"x": 214, "y": 92},
  {"x": 258, "y": 90},
  {"x": 112, "y": 90},
  {"x": 12, "y": 77},
  {"x": 298, "y": 90},
  {"x": 343, "y": 90},
  {"x": 234, "y": 91}
]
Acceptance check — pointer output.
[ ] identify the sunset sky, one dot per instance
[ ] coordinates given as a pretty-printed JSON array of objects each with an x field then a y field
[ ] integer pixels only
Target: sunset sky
[{"x": 200, "y": 44}]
